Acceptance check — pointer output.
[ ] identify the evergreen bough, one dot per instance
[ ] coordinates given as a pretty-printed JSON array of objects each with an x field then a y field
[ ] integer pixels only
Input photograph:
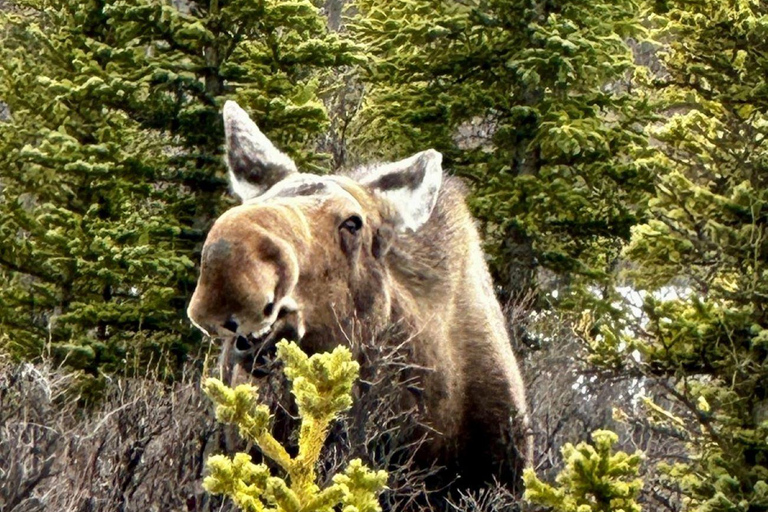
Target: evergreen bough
[
  {"x": 322, "y": 387},
  {"x": 594, "y": 479}
]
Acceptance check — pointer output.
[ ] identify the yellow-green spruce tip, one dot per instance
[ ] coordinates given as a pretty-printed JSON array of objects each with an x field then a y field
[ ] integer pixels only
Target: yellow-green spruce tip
[
  {"x": 594, "y": 479},
  {"x": 322, "y": 385}
]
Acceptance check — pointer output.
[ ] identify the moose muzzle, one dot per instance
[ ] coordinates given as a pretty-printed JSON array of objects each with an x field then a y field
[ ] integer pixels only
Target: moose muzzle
[{"x": 244, "y": 295}]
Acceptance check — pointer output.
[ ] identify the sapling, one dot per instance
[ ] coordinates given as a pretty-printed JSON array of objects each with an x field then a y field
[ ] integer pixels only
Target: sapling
[{"x": 322, "y": 387}]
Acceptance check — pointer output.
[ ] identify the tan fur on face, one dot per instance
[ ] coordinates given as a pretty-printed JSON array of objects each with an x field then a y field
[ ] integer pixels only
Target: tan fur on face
[{"x": 433, "y": 281}]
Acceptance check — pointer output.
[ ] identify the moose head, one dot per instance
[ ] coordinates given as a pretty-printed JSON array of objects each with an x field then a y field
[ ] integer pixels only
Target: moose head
[{"x": 304, "y": 256}]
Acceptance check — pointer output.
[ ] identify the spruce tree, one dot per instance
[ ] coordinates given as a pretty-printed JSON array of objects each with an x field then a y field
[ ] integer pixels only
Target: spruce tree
[
  {"x": 110, "y": 165},
  {"x": 529, "y": 102},
  {"x": 701, "y": 259}
]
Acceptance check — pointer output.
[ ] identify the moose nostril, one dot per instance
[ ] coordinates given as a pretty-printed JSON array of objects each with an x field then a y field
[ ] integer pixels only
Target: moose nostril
[
  {"x": 230, "y": 324},
  {"x": 242, "y": 344},
  {"x": 269, "y": 308}
]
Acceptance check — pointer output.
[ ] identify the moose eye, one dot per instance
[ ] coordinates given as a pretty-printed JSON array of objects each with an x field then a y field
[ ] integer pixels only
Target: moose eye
[{"x": 352, "y": 224}]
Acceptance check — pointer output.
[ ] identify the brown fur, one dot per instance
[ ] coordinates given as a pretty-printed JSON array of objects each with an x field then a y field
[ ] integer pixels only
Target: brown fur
[{"x": 433, "y": 281}]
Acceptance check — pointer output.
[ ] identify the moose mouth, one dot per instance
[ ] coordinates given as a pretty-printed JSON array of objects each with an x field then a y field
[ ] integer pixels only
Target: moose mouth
[{"x": 256, "y": 352}]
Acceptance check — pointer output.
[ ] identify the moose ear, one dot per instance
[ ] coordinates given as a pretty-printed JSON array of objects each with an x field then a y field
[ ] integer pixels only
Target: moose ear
[
  {"x": 411, "y": 185},
  {"x": 255, "y": 164}
]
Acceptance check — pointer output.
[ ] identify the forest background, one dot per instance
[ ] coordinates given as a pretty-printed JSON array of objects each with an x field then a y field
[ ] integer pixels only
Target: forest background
[{"x": 616, "y": 160}]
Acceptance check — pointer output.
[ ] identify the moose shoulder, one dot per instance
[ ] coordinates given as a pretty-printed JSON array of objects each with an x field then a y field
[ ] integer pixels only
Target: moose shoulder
[{"x": 322, "y": 259}]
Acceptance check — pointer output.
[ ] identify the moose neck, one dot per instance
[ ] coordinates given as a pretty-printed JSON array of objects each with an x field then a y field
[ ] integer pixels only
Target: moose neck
[{"x": 431, "y": 267}]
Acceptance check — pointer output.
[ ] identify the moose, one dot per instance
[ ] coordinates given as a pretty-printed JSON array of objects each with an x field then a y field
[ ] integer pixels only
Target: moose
[{"x": 322, "y": 259}]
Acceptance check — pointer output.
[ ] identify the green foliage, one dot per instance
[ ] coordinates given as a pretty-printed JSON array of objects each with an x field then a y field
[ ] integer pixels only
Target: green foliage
[
  {"x": 110, "y": 165},
  {"x": 530, "y": 103},
  {"x": 322, "y": 386},
  {"x": 701, "y": 259},
  {"x": 594, "y": 479}
]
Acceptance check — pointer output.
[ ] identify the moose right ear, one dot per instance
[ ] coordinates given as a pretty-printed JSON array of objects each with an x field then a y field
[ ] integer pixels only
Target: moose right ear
[
  {"x": 255, "y": 164},
  {"x": 411, "y": 186}
]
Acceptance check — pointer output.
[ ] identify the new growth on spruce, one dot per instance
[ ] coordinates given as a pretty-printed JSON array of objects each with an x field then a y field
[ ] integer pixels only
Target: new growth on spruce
[
  {"x": 322, "y": 386},
  {"x": 594, "y": 479}
]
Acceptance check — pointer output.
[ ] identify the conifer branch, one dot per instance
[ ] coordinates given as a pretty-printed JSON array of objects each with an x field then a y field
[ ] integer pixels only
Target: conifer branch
[{"x": 322, "y": 386}]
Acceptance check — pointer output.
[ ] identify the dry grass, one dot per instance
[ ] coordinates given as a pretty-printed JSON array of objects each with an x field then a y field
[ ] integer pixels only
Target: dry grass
[{"x": 144, "y": 446}]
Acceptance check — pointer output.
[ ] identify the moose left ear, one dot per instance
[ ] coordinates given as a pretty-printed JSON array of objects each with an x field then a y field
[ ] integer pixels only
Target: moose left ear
[
  {"x": 255, "y": 164},
  {"x": 411, "y": 185}
]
